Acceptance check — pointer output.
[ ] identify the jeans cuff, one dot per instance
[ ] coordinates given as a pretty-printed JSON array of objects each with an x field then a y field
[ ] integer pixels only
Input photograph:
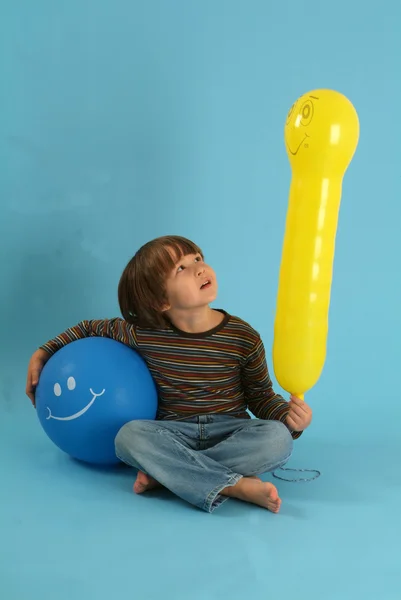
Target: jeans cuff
[{"x": 215, "y": 499}]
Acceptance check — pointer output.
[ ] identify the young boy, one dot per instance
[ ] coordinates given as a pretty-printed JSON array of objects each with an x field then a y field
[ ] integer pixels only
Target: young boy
[{"x": 209, "y": 367}]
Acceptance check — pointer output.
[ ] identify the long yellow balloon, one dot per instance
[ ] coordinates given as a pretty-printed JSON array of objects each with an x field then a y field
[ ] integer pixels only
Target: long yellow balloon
[{"x": 321, "y": 135}]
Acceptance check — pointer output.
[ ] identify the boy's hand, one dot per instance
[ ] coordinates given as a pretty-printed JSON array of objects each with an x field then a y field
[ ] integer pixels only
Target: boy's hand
[
  {"x": 36, "y": 364},
  {"x": 300, "y": 414}
]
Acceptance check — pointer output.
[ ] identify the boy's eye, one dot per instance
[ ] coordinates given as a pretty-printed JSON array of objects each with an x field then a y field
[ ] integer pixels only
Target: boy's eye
[{"x": 182, "y": 267}]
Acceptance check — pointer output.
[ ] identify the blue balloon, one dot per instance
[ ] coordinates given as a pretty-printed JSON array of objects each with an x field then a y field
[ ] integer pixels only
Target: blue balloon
[{"x": 87, "y": 391}]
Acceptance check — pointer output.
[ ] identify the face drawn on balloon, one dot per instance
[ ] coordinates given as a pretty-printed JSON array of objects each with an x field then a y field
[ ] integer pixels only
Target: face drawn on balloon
[
  {"x": 71, "y": 384},
  {"x": 298, "y": 128}
]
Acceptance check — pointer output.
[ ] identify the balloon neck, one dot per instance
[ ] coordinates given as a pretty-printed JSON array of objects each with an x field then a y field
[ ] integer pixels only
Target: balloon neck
[{"x": 318, "y": 172}]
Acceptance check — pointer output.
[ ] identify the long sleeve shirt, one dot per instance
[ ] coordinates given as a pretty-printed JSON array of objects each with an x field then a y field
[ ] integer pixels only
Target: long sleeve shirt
[{"x": 222, "y": 371}]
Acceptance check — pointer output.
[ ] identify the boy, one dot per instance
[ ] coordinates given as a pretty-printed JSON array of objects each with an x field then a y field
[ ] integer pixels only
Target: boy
[{"x": 209, "y": 367}]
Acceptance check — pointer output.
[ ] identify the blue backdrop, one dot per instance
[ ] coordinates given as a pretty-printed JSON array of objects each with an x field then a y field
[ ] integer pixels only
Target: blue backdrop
[{"x": 125, "y": 120}]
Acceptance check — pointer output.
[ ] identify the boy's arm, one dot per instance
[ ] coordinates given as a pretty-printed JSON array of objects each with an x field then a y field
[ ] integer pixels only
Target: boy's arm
[
  {"x": 116, "y": 329},
  {"x": 262, "y": 401}
]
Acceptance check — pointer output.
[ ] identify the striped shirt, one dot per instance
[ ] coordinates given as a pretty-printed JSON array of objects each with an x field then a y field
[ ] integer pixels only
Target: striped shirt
[{"x": 222, "y": 371}]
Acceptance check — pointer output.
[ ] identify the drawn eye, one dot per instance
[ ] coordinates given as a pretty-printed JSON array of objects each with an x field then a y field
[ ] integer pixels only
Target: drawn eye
[
  {"x": 306, "y": 112},
  {"x": 71, "y": 383},
  {"x": 57, "y": 389},
  {"x": 289, "y": 115}
]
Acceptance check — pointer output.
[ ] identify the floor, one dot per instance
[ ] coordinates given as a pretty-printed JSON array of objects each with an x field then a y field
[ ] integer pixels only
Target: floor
[{"x": 69, "y": 530}]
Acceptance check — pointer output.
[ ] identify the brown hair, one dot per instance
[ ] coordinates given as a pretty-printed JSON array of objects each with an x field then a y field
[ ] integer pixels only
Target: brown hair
[{"x": 142, "y": 286}]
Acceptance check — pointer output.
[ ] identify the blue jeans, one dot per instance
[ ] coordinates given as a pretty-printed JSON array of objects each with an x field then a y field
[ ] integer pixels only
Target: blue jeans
[{"x": 198, "y": 457}]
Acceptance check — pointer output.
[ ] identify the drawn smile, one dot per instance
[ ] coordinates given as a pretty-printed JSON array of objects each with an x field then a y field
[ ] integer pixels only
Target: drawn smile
[
  {"x": 77, "y": 414},
  {"x": 299, "y": 145}
]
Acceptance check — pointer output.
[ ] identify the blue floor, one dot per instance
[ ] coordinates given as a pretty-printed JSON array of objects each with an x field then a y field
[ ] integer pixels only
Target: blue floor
[{"x": 69, "y": 530}]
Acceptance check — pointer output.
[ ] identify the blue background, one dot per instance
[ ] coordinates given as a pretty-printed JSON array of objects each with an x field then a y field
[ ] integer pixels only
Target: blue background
[{"x": 121, "y": 121}]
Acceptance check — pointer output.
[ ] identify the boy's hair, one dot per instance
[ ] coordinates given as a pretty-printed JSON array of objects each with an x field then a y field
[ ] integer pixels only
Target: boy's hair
[{"x": 142, "y": 286}]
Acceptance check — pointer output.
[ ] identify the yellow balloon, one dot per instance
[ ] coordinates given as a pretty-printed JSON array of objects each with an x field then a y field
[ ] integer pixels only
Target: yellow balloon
[{"x": 321, "y": 135}]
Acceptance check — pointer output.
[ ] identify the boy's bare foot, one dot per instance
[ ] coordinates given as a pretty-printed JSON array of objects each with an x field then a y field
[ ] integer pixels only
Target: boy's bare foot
[
  {"x": 256, "y": 491},
  {"x": 144, "y": 483}
]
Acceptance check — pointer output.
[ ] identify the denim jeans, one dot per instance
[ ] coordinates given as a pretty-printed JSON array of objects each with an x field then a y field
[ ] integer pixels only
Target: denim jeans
[{"x": 198, "y": 457}]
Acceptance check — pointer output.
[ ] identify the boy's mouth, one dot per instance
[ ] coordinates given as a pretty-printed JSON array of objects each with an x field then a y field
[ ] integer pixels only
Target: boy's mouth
[{"x": 206, "y": 284}]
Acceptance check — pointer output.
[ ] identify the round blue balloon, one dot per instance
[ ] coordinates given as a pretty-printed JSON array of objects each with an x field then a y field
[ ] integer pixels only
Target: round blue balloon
[{"x": 87, "y": 391}]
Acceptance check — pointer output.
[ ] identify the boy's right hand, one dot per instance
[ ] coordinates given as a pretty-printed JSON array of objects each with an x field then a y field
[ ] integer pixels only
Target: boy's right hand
[{"x": 36, "y": 364}]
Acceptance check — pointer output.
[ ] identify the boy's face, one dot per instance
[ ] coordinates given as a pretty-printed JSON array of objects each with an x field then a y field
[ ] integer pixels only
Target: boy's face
[{"x": 191, "y": 284}]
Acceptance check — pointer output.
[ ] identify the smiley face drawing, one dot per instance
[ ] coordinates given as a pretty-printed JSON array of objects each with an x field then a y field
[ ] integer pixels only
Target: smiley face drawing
[
  {"x": 321, "y": 132},
  {"x": 299, "y": 118},
  {"x": 87, "y": 391},
  {"x": 71, "y": 384}
]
